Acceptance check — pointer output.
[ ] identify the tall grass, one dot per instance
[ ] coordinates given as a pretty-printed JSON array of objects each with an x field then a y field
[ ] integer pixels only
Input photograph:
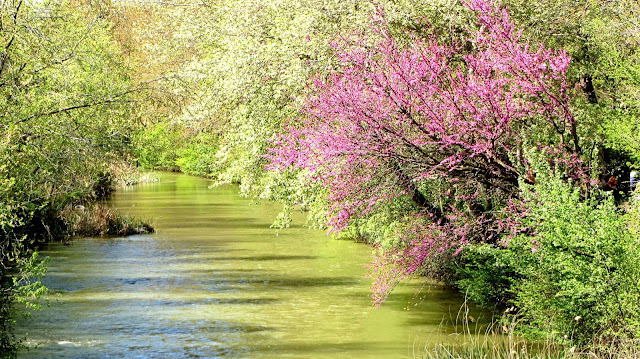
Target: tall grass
[
  {"x": 98, "y": 219},
  {"x": 501, "y": 341}
]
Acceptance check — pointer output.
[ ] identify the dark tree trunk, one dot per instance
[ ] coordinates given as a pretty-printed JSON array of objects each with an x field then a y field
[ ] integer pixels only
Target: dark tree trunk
[{"x": 416, "y": 196}]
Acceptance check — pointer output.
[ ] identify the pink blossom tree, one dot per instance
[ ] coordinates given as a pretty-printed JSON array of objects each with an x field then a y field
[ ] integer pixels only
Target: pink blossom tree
[{"x": 392, "y": 118}]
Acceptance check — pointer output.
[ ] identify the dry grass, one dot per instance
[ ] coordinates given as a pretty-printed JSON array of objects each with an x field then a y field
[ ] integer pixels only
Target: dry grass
[{"x": 98, "y": 219}]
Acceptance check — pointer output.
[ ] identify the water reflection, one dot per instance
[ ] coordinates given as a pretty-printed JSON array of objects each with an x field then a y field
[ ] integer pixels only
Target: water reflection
[{"x": 216, "y": 281}]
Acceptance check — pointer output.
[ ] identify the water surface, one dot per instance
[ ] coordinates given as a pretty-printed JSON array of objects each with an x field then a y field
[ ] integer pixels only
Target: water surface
[{"x": 215, "y": 281}]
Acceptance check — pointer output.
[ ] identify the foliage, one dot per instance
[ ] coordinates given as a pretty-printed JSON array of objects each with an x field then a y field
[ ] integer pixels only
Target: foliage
[
  {"x": 487, "y": 274},
  {"x": 65, "y": 100},
  {"x": 28, "y": 289},
  {"x": 258, "y": 59},
  {"x": 602, "y": 38},
  {"x": 394, "y": 118},
  {"x": 572, "y": 272},
  {"x": 166, "y": 147},
  {"x": 579, "y": 269},
  {"x": 157, "y": 147},
  {"x": 198, "y": 155}
]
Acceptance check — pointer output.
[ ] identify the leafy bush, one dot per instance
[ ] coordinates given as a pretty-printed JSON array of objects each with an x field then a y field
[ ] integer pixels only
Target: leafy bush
[
  {"x": 579, "y": 266},
  {"x": 486, "y": 273},
  {"x": 157, "y": 147},
  {"x": 571, "y": 273},
  {"x": 198, "y": 156}
]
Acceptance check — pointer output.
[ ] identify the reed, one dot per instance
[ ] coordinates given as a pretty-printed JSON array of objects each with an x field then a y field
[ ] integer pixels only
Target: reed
[{"x": 98, "y": 219}]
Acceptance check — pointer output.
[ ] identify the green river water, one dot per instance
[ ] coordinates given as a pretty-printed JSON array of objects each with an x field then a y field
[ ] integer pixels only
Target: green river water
[{"x": 215, "y": 281}]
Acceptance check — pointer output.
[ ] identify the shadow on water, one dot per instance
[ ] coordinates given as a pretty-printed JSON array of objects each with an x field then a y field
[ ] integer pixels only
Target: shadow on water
[
  {"x": 155, "y": 302},
  {"x": 343, "y": 350},
  {"x": 199, "y": 328},
  {"x": 221, "y": 225},
  {"x": 168, "y": 258},
  {"x": 58, "y": 285}
]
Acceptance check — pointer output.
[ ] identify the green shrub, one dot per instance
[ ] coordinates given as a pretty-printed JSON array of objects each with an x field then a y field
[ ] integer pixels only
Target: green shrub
[
  {"x": 579, "y": 270},
  {"x": 198, "y": 156},
  {"x": 486, "y": 273},
  {"x": 573, "y": 275},
  {"x": 157, "y": 147}
]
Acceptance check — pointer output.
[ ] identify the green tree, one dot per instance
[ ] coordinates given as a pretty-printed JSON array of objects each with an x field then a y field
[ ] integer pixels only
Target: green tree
[{"x": 65, "y": 100}]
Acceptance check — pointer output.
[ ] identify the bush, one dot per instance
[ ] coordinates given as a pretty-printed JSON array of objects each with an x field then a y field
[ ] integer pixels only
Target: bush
[
  {"x": 197, "y": 157},
  {"x": 157, "y": 147},
  {"x": 487, "y": 274},
  {"x": 571, "y": 273},
  {"x": 579, "y": 269}
]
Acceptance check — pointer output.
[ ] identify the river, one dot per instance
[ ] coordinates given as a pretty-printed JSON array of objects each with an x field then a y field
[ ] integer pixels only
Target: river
[{"x": 215, "y": 281}]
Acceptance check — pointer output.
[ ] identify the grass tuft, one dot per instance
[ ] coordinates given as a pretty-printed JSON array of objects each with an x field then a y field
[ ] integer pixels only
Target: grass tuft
[{"x": 98, "y": 219}]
